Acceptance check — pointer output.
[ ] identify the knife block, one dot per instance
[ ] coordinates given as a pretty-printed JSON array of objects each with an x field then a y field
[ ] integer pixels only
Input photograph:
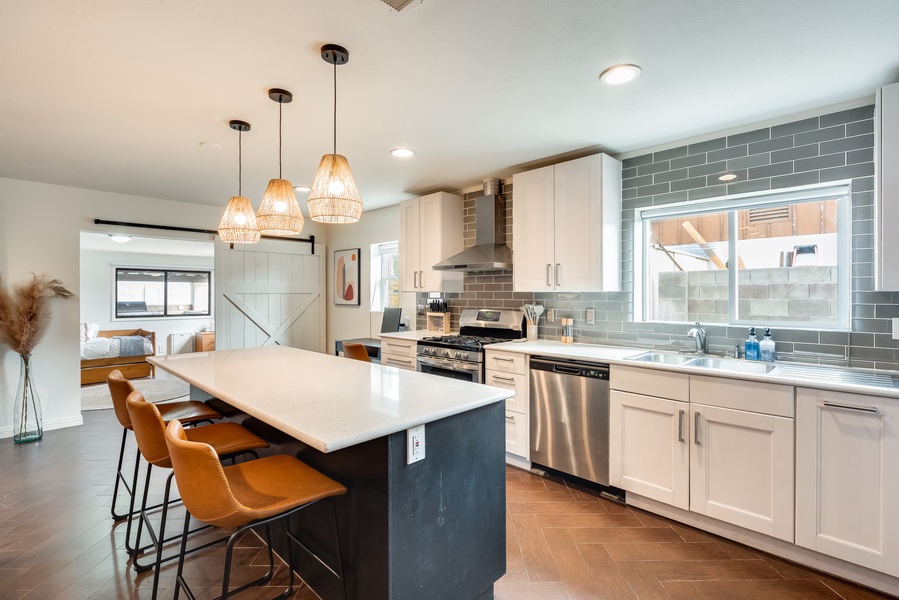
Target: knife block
[{"x": 438, "y": 321}]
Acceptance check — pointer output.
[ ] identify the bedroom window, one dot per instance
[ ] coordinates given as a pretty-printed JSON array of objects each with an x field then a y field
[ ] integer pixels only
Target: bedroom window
[
  {"x": 142, "y": 293},
  {"x": 779, "y": 258}
]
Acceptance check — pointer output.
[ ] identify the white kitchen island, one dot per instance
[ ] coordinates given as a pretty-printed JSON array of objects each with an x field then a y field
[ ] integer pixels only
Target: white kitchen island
[{"x": 432, "y": 529}]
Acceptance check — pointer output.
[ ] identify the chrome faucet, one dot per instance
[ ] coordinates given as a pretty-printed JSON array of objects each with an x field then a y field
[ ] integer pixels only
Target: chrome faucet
[{"x": 699, "y": 334}]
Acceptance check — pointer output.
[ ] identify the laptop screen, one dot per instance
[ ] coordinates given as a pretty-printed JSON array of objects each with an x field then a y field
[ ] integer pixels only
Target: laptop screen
[{"x": 390, "y": 323}]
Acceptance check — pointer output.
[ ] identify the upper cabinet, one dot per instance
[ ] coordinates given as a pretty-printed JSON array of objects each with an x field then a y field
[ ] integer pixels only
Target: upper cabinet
[
  {"x": 566, "y": 226},
  {"x": 887, "y": 185},
  {"x": 430, "y": 231}
]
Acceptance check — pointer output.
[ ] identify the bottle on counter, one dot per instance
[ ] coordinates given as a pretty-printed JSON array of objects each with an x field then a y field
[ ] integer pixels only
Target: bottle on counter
[
  {"x": 751, "y": 349},
  {"x": 767, "y": 347}
]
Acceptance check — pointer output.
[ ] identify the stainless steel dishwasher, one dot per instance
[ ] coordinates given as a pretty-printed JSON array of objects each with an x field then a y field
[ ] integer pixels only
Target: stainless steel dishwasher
[{"x": 570, "y": 417}]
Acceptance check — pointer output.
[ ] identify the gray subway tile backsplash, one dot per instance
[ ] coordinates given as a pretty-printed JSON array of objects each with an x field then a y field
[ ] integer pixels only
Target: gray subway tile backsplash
[{"x": 826, "y": 148}]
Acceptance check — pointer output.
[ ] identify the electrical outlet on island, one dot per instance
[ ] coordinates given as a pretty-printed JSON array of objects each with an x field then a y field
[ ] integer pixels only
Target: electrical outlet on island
[{"x": 415, "y": 444}]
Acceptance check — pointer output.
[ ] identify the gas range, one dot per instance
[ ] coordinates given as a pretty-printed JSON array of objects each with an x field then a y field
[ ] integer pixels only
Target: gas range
[{"x": 462, "y": 356}]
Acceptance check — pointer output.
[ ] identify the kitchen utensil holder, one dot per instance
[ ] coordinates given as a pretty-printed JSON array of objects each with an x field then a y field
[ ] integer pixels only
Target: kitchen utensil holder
[{"x": 438, "y": 321}]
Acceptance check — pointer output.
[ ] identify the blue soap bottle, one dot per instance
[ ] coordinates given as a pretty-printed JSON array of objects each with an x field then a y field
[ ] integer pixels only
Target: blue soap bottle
[
  {"x": 751, "y": 348},
  {"x": 767, "y": 347}
]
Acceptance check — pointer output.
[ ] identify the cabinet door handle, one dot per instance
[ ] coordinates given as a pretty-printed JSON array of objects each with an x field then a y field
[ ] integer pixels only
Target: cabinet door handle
[
  {"x": 558, "y": 268},
  {"x": 421, "y": 279},
  {"x": 510, "y": 418},
  {"x": 415, "y": 279},
  {"x": 680, "y": 426},
  {"x": 868, "y": 409},
  {"x": 549, "y": 275},
  {"x": 696, "y": 420}
]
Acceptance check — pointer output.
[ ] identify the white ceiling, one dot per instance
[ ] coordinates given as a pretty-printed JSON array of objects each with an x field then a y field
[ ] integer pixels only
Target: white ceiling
[
  {"x": 118, "y": 96},
  {"x": 101, "y": 242}
]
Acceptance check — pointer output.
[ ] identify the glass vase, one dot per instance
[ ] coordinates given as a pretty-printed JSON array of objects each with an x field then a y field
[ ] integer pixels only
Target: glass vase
[{"x": 28, "y": 425}]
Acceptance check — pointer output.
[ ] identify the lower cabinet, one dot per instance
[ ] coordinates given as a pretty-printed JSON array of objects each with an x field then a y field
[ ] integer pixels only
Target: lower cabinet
[
  {"x": 718, "y": 447},
  {"x": 509, "y": 370},
  {"x": 741, "y": 469},
  {"x": 847, "y": 485},
  {"x": 648, "y": 449},
  {"x": 399, "y": 353}
]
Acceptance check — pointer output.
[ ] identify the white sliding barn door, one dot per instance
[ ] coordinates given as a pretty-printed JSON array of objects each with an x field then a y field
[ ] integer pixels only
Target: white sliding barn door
[{"x": 270, "y": 293}]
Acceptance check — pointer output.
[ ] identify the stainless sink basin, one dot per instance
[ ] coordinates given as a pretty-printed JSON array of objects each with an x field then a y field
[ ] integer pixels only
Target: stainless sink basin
[
  {"x": 732, "y": 365},
  {"x": 662, "y": 358}
]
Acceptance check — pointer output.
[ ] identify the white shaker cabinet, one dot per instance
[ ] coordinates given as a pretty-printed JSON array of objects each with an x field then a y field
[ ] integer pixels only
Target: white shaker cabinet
[
  {"x": 566, "y": 226},
  {"x": 402, "y": 354},
  {"x": 509, "y": 370},
  {"x": 847, "y": 484},
  {"x": 430, "y": 231},
  {"x": 649, "y": 451},
  {"x": 887, "y": 185}
]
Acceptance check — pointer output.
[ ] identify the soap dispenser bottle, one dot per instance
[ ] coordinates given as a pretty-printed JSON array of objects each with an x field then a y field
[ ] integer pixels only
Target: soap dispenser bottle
[
  {"x": 767, "y": 350},
  {"x": 751, "y": 348}
]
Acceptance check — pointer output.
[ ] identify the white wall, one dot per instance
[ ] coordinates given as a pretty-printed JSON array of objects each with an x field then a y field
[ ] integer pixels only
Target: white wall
[
  {"x": 376, "y": 226},
  {"x": 97, "y": 292},
  {"x": 39, "y": 232}
]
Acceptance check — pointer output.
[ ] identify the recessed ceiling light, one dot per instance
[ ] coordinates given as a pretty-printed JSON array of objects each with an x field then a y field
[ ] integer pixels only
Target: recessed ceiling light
[
  {"x": 210, "y": 146},
  {"x": 620, "y": 74},
  {"x": 402, "y": 152},
  {"x": 119, "y": 237},
  {"x": 303, "y": 189},
  {"x": 727, "y": 177}
]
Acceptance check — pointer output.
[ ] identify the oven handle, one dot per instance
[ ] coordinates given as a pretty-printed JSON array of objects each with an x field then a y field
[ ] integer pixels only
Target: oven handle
[{"x": 450, "y": 365}]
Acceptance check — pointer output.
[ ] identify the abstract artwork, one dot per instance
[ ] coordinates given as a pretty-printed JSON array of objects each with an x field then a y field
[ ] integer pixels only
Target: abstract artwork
[{"x": 346, "y": 277}]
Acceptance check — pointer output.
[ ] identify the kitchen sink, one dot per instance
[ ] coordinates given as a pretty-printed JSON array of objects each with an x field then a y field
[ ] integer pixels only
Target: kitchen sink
[
  {"x": 662, "y": 358},
  {"x": 732, "y": 365}
]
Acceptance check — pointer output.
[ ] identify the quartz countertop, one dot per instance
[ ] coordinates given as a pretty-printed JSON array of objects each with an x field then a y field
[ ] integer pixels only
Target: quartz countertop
[
  {"x": 325, "y": 401},
  {"x": 840, "y": 379}
]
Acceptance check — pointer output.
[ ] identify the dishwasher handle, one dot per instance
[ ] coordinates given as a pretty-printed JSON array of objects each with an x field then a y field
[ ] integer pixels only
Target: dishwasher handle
[{"x": 575, "y": 368}]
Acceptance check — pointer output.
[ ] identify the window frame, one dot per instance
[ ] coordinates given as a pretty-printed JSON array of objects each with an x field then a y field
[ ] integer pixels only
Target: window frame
[
  {"x": 116, "y": 268},
  {"x": 379, "y": 250},
  {"x": 837, "y": 190}
]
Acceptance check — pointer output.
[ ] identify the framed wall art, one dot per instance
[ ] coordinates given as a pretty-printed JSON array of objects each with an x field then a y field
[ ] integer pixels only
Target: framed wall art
[{"x": 346, "y": 277}]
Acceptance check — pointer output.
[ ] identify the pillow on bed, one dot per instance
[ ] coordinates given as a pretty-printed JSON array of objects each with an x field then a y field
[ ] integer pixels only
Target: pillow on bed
[{"x": 89, "y": 331}]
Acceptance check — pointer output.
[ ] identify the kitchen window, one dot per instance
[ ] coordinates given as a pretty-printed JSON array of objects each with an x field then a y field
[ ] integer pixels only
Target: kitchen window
[
  {"x": 385, "y": 287},
  {"x": 141, "y": 293},
  {"x": 777, "y": 259}
]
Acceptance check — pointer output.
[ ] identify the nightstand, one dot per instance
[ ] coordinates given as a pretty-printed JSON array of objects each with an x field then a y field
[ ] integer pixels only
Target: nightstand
[{"x": 204, "y": 341}]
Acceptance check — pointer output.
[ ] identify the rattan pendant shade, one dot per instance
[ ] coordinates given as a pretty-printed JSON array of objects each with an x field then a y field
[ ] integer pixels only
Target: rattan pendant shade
[
  {"x": 280, "y": 213},
  {"x": 238, "y": 225},
  {"x": 334, "y": 197}
]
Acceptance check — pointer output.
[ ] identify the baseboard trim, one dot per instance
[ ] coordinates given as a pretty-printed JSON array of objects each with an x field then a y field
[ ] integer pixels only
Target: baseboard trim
[{"x": 49, "y": 425}]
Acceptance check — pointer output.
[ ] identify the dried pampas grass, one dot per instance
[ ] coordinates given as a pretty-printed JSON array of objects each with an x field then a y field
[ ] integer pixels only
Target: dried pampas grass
[{"x": 25, "y": 313}]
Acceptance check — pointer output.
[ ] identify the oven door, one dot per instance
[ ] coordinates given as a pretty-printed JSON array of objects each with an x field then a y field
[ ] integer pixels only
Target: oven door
[{"x": 447, "y": 367}]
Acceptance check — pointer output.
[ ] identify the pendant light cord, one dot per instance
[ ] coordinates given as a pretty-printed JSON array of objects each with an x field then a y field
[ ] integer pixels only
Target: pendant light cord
[
  {"x": 335, "y": 107},
  {"x": 239, "y": 162},
  {"x": 280, "y": 105}
]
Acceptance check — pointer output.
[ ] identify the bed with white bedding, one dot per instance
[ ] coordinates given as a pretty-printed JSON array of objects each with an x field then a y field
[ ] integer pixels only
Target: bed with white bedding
[{"x": 124, "y": 349}]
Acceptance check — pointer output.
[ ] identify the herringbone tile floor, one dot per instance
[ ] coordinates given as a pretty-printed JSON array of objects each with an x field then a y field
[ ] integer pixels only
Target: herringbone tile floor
[{"x": 57, "y": 540}]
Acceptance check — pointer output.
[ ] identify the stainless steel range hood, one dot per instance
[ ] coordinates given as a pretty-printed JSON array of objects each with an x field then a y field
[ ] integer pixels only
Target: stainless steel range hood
[{"x": 490, "y": 253}]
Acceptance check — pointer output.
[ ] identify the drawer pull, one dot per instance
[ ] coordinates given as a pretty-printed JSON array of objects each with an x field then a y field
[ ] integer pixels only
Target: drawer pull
[
  {"x": 868, "y": 409},
  {"x": 403, "y": 346},
  {"x": 399, "y": 362},
  {"x": 696, "y": 420},
  {"x": 498, "y": 378},
  {"x": 680, "y": 426},
  {"x": 504, "y": 358}
]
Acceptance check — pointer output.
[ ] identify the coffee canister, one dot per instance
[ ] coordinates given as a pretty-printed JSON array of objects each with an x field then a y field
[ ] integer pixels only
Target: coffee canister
[{"x": 567, "y": 330}]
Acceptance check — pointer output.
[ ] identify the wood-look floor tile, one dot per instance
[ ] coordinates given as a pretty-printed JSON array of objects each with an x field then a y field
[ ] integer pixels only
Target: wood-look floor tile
[
  {"x": 708, "y": 570},
  {"x": 536, "y": 552},
  {"x": 553, "y": 590},
  {"x": 796, "y": 589},
  {"x": 569, "y": 507},
  {"x": 664, "y": 551},
  {"x": 588, "y": 520},
  {"x": 611, "y": 535},
  {"x": 850, "y": 591},
  {"x": 682, "y": 590}
]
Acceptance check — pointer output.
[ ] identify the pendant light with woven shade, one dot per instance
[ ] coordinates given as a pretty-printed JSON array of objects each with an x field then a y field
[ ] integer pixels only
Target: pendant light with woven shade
[
  {"x": 334, "y": 197},
  {"x": 238, "y": 224},
  {"x": 279, "y": 213}
]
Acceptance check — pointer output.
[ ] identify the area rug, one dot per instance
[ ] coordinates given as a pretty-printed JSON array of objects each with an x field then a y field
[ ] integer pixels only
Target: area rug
[{"x": 96, "y": 397}]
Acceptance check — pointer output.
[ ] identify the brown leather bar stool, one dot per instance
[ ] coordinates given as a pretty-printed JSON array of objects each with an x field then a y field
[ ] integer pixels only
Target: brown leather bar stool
[
  {"x": 188, "y": 411},
  {"x": 246, "y": 495},
  {"x": 226, "y": 439},
  {"x": 356, "y": 352}
]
